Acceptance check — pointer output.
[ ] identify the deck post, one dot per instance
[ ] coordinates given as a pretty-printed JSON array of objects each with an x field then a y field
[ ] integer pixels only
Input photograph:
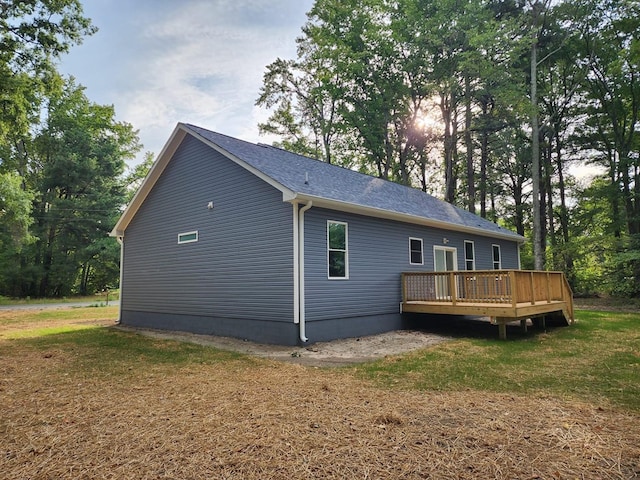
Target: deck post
[
  {"x": 452, "y": 288},
  {"x": 548, "y": 288},
  {"x": 523, "y": 325},
  {"x": 403, "y": 286},
  {"x": 532, "y": 288},
  {"x": 514, "y": 289},
  {"x": 502, "y": 330}
]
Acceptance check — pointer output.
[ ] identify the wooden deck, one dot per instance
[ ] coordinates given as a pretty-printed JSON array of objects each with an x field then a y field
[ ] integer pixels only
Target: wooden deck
[{"x": 503, "y": 295}]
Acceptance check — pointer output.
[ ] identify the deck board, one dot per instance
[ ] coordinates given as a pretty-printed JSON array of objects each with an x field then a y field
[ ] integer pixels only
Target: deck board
[{"x": 508, "y": 310}]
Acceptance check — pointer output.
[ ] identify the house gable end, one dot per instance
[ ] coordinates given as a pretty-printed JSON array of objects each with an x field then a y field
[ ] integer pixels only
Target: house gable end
[{"x": 158, "y": 167}]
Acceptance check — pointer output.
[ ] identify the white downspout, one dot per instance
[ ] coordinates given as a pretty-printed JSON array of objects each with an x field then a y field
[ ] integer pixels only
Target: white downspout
[
  {"x": 120, "y": 239},
  {"x": 296, "y": 266},
  {"x": 301, "y": 300}
]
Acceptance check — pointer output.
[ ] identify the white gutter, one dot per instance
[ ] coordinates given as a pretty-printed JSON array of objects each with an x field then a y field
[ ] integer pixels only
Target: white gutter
[
  {"x": 120, "y": 239},
  {"x": 300, "y": 264},
  {"x": 341, "y": 206}
]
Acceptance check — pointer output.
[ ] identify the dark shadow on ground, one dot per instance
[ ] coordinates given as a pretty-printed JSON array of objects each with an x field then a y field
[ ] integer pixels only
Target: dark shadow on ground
[{"x": 473, "y": 327}]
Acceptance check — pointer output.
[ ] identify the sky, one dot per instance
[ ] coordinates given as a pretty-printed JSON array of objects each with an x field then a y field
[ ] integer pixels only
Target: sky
[{"x": 160, "y": 62}]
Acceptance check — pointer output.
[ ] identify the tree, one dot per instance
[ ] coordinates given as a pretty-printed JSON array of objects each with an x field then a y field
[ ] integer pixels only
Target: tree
[
  {"x": 15, "y": 219},
  {"x": 33, "y": 33},
  {"x": 77, "y": 162},
  {"x": 607, "y": 35},
  {"x": 523, "y": 88}
]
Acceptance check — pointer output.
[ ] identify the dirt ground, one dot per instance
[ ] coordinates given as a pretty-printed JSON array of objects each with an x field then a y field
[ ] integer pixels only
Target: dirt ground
[
  {"x": 322, "y": 354},
  {"x": 277, "y": 420},
  {"x": 287, "y": 420}
]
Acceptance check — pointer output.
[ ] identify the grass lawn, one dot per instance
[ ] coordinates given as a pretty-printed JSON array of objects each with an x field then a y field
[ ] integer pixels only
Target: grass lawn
[
  {"x": 98, "y": 298},
  {"x": 596, "y": 360},
  {"x": 90, "y": 401}
]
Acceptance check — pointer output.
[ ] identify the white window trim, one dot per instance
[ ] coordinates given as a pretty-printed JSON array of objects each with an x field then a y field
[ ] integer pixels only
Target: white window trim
[
  {"x": 473, "y": 250},
  {"x": 421, "y": 251},
  {"x": 184, "y": 234},
  {"x": 454, "y": 250},
  {"x": 346, "y": 250},
  {"x": 493, "y": 261}
]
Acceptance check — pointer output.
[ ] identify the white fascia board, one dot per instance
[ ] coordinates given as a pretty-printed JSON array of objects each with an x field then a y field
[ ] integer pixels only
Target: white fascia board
[
  {"x": 401, "y": 217},
  {"x": 155, "y": 171}
]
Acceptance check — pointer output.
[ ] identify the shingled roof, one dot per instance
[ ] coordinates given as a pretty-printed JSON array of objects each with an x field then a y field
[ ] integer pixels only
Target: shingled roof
[{"x": 304, "y": 179}]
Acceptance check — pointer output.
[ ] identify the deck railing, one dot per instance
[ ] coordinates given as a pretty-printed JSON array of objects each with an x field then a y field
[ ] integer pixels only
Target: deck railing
[{"x": 511, "y": 287}]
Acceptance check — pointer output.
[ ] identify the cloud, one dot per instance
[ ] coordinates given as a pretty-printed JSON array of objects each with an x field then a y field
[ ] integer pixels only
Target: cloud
[
  {"x": 200, "y": 61},
  {"x": 203, "y": 62}
]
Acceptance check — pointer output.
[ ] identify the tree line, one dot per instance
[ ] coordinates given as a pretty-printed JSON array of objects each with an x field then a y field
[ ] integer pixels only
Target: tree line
[
  {"x": 494, "y": 105},
  {"x": 62, "y": 159},
  {"x": 489, "y": 104}
]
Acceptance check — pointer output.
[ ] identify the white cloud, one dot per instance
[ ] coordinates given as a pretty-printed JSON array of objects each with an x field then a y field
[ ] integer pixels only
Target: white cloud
[{"x": 195, "y": 61}]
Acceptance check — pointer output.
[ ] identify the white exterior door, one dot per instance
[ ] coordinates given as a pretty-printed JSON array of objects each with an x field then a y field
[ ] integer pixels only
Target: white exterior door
[{"x": 445, "y": 259}]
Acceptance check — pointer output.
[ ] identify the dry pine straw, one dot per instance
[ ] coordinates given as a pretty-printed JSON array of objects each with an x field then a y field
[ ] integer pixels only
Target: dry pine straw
[{"x": 244, "y": 420}]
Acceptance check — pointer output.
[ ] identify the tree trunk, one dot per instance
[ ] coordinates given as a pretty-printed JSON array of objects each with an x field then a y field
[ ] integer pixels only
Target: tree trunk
[
  {"x": 484, "y": 160},
  {"x": 47, "y": 261},
  {"x": 567, "y": 257},
  {"x": 538, "y": 254},
  {"x": 446, "y": 107},
  {"x": 551, "y": 228},
  {"x": 468, "y": 140}
]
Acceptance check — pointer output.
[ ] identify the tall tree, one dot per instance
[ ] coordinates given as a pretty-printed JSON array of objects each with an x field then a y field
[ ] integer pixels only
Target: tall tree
[
  {"x": 33, "y": 33},
  {"x": 538, "y": 11},
  {"x": 608, "y": 35},
  {"x": 77, "y": 162},
  {"x": 15, "y": 219}
]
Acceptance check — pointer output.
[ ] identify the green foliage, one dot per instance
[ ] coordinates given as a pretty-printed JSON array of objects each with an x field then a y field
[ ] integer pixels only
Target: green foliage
[
  {"x": 33, "y": 31},
  {"x": 75, "y": 170},
  {"x": 15, "y": 219},
  {"x": 368, "y": 75}
]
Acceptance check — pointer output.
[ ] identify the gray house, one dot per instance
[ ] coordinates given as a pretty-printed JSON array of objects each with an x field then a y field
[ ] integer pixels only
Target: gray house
[{"x": 231, "y": 238}]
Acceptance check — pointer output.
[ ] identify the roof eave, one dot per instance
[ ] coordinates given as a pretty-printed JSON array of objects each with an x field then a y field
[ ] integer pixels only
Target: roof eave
[
  {"x": 400, "y": 217},
  {"x": 155, "y": 171},
  {"x": 286, "y": 192}
]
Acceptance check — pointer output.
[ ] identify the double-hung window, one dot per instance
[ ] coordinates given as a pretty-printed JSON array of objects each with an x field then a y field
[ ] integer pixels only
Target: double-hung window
[
  {"x": 416, "y": 257},
  {"x": 497, "y": 260},
  {"x": 337, "y": 250},
  {"x": 469, "y": 255}
]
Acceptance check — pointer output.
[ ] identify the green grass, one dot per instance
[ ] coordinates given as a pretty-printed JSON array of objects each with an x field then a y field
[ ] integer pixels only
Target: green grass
[
  {"x": 102, "y": 351},
  {"x": 97, "y": 298},
  {"x": 595, "y": 360},
  {"x": 45, "y": 331}
]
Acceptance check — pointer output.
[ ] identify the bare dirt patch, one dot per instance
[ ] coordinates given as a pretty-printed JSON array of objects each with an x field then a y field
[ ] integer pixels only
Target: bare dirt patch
[{"x": 322, "y": 354}]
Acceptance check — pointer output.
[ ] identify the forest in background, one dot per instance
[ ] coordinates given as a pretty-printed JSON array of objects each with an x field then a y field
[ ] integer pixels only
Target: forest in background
[{"x": 495, "y": 106}]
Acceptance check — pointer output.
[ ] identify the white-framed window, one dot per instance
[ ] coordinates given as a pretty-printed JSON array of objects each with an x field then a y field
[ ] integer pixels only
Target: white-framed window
[
  {"x": 497, "y": 257},
  {"x": 416, "y": 255},
  {"x": 469, "y": 255},
  {"x": 188, "y": 237},
  {"x": 337, "y": 250}
]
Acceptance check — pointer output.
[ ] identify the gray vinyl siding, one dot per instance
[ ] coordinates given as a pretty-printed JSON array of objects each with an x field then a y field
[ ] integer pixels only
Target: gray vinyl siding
[
  {"x": 239, "y": 271},
  {"x": 378, "y": 253}
]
